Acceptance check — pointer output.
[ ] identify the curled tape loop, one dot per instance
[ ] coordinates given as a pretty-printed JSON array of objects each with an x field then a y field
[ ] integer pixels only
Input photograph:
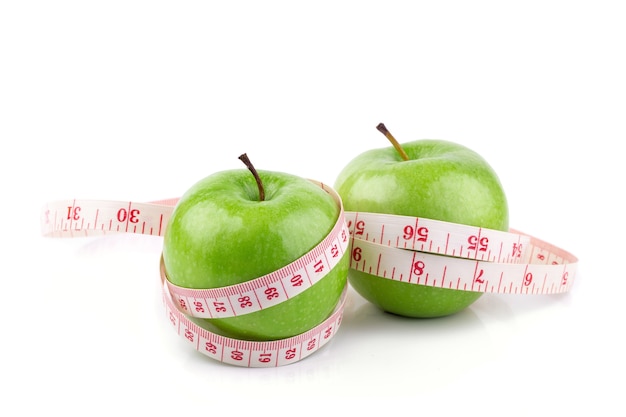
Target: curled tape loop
[{"x": 477, "y": 259}]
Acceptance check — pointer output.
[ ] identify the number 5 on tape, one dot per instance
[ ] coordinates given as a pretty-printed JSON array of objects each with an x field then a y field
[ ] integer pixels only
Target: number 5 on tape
[{"x": 476, "y": 259}]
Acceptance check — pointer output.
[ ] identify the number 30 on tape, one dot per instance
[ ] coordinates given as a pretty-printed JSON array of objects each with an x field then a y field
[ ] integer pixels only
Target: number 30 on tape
[{"x": 78, "y": 218}]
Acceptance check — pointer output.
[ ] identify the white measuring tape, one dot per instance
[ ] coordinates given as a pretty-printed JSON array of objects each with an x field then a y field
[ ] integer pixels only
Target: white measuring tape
[
  {"x": 394, "y": 247},
  {"x": 476, "y": 259},
  {"x": 77, "y": 218}
]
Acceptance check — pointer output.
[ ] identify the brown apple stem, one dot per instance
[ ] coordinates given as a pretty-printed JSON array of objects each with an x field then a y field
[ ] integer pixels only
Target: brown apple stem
[
  {"x": 382, "y": 129},
  {"x": 244, "y": 158}
]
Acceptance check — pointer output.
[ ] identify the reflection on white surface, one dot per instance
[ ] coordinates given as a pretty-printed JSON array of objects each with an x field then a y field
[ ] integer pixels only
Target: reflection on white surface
[{"x": 116, "y": 270}]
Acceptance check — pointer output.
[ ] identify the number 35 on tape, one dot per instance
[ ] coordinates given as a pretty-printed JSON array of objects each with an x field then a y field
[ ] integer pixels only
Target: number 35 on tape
[{"x": 77, "y": 218}]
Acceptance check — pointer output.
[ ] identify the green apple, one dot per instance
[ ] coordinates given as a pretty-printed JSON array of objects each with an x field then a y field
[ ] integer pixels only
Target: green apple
[
  {"x": 232, "y": 227},
  {"x": 427, "y": 178}
]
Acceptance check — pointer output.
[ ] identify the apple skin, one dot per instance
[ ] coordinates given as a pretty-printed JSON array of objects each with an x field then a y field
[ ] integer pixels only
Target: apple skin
[
  {"x": 442, "y": 180},
  {"x": 220, "y": 234}
]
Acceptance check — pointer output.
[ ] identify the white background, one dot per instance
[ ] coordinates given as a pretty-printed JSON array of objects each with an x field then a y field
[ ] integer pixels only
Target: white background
[{"x": 132, "y": 100}]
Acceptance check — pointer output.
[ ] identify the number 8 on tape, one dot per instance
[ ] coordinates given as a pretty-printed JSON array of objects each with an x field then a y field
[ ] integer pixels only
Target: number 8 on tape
[{"x": 477, "y": 259}]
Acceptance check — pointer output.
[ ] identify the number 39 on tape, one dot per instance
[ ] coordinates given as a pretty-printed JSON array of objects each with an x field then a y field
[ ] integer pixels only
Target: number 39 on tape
[{"x": 78, "y": 218}]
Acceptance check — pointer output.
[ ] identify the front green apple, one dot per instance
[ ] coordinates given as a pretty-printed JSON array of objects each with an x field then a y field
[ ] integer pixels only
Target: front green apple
[
  {"x": 440, "y": 180},
  {"x": 221, "y": 233}
]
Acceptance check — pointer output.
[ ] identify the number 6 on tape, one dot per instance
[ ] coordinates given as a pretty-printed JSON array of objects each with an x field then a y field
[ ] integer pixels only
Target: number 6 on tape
[{"x": 477, "y": 259}]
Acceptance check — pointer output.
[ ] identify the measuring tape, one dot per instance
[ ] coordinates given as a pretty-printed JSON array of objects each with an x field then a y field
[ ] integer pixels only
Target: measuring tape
[
  {"x": 78, "y": 218},
  {"x": 476, "y": 259},
  {"x": 401, "y": 248}
]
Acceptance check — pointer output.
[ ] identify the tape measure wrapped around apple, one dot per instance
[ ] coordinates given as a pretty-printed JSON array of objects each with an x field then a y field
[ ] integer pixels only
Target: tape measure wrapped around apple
[
  {"x": 436, "y": 198},
  {"x": 229, "y": 230},
  {"x": 254, "y": 267}
]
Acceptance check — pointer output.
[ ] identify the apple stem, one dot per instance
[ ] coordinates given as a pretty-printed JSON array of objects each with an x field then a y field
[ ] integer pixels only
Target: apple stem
[
  {"x": 244, "y": 158},
  {"x": 382, "y": 129}
]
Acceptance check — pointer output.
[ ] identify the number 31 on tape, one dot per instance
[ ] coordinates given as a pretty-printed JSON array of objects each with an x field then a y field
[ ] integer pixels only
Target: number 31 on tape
[{"x": 78, "y": 218}]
